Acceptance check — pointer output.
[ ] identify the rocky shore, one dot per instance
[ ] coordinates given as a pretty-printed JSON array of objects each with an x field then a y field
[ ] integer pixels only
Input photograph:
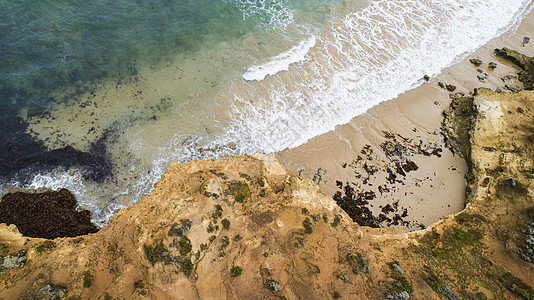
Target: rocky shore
[{"x": 247, "y": 227}]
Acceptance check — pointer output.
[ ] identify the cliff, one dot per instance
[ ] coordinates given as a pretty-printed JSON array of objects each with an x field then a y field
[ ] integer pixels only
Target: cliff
[{"x": 245, "y": 227}]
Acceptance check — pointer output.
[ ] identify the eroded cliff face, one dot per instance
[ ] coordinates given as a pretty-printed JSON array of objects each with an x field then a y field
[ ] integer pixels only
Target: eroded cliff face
[{"x": 245, "y": 227}]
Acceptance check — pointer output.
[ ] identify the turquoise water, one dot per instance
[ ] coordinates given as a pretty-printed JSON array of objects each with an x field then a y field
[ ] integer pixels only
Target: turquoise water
[
  {"x": 100, "y": 96},
  {"x": 49, "y": 45}
]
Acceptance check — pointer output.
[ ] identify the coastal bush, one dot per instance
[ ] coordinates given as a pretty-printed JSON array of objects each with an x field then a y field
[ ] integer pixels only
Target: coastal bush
[
  {"x": 236, "y": 271},
  {"x": 308, "y": 226},
  {"x": 154, "y": 253},
  {"x": 187, "y": 267},
  {"x": 185, "y": 246},
  {"x": 240, "y": 191},
  {"x": 87, "y": 279},
  {"x": 225, "y": 223}
]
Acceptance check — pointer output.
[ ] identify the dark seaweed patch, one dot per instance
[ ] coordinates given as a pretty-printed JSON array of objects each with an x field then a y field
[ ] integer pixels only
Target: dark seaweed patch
[
  {"x": 19, "y": 151},
  {"x": 46, "y": 215}
]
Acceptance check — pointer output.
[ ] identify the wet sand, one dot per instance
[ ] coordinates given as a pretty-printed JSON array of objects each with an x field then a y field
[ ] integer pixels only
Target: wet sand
[{"x": 395, "y": 154}]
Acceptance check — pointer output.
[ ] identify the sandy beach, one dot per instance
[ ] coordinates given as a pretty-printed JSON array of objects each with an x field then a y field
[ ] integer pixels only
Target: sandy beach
[{"x": 395, "y": 154}]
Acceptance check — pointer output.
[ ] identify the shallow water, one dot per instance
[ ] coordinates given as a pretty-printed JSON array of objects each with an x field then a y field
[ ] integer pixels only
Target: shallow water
[{"x": 124, "y": 88}]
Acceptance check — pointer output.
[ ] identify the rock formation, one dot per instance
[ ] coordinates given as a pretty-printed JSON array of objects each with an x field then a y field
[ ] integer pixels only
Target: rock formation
[{"x": 245, "y": 227}]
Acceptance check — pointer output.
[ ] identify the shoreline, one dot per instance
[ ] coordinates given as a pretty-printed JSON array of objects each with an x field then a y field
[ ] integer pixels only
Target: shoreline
[{"x": 435, "y": 186}]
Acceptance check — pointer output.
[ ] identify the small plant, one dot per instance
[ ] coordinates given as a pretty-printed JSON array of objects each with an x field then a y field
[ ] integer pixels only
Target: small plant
[
  {"x": 308, "y": 226},
  {"x": 225, "y": 223},
  {"x": 240, "y": 191},
  {"x": 236, "y": 271},
  {"x": 153, "y": 254},
  {"x": 185, "y": 246},
  {"x": 45, "y": 246},
  {"x": 304, "y": 211},
  {"x": 187, "y": 267},
  {"x": 337, "y": 220},
  {"x": 87, "y": 279}
]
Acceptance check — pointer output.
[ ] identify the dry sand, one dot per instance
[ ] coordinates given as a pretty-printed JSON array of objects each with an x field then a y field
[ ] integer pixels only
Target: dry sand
[{"x": 437, "y": 187}]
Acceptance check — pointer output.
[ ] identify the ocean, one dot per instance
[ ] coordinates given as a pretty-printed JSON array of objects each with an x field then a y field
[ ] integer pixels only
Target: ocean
[{"x": 99, "y": 97}]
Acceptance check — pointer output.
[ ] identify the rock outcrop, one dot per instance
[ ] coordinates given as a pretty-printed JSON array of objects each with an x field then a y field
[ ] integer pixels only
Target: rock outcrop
[{"x": 245, "y": 227}]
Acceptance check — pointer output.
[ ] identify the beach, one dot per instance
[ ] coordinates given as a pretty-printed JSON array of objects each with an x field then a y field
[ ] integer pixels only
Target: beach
[{"x": 437, "y": 187}]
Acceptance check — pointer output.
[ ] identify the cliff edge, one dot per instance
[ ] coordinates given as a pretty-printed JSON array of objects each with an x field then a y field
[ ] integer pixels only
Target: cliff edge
[{"x": 245, "y": 227}]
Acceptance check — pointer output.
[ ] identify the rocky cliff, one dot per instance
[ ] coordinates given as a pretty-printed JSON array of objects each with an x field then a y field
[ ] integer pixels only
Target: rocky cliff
[{"x": 245, "y": 227}]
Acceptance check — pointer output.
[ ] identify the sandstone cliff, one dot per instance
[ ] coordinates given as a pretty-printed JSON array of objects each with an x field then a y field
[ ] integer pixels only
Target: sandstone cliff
[{"x": 245, "y": 227}]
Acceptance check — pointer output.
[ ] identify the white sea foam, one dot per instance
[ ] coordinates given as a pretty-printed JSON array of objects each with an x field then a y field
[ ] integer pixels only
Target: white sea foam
[
  {"x": 281, "y": 62},
  {"x": 364, "y": 58},
  {"x": 268, "y": 13},
  {"x": 361, "y": 59}
]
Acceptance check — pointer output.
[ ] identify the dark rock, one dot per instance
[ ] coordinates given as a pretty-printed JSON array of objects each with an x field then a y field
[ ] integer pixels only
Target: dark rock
[
  {"x": 46, "y": 215},
  {"x": 508, "y": 78},
  {"x": 511, "y": 88},
  {"x": 475, "y": 61},
  {"x": 441, "y": 85},
  {"x": 526, "y": 40},
  {"x": 492, "y": 65},
  {"x": 456, "y": 95},
  {"x": 481, "y": 78},
  {"x": 426, "y": 78},
  {"x": 450, "y": 87},
  {"x": 525, "y": 63}
]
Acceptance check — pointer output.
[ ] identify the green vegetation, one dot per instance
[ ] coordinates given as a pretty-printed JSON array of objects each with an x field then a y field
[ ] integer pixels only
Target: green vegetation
[
  {"x": 225, "y": 223},
  {"x": 517, "y": 286},
  {"x": 236, "y": 271},
  {"x": 87, "y": 279},
  {"x": 304, "y": 211},
  {"x": 45, "y": 246},
  {"x": 308, "y": 226},
  {"x": 438, "y": 285},
  {"x": 153, "y": 253},
  {"x": 187, "y": 267},
  {"x": 337, "y": 220},
  {"x": 185, "y": 246},
  {"x": 239, "y": 190}
]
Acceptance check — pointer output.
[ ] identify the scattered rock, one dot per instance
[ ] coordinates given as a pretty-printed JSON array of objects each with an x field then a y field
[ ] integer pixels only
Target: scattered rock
[
  {"x": 402, "y": 295},
  {"x": 492, "y": 65},
  {"x": 426, "y": 78},
  {"x": 450, "y": 87},
  {"x": 475, "y": 61},
  {"x": 526, "y": 40},
  {"x": 274, "y": 286},
  {"x": 511, "y": 88},
  {"x": 397, "y": 269},
  {"x": 13, "y": 261},
  {"x": 526, "y": 76},
  {"x": 456, "y": 95},
  {"x": 51, "y": 292}
]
